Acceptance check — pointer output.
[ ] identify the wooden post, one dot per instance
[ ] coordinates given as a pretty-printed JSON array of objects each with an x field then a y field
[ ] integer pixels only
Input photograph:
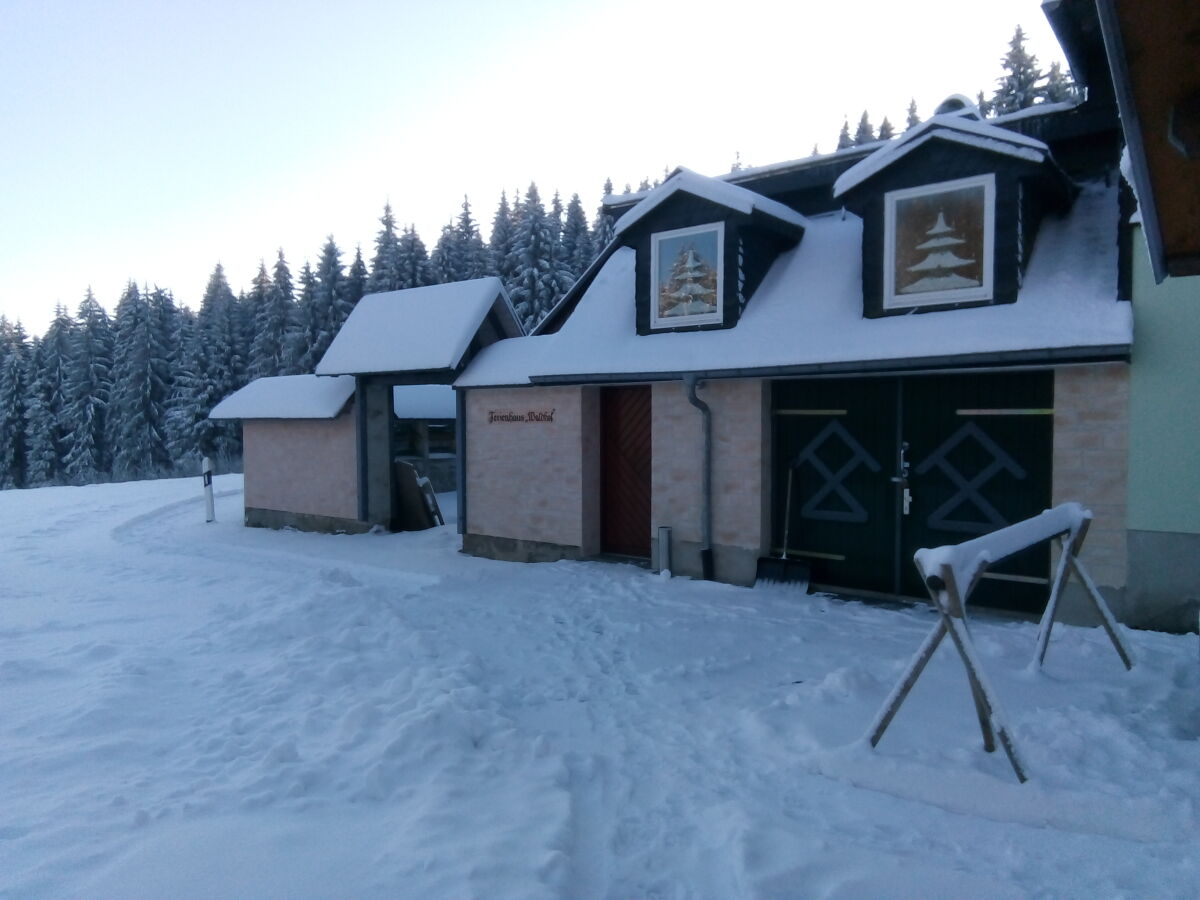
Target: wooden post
[{"x": 206, "y": 475}]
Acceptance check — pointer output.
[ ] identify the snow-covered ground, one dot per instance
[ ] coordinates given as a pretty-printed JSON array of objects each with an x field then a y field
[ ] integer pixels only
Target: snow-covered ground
[{"x": 191, "y": 710}]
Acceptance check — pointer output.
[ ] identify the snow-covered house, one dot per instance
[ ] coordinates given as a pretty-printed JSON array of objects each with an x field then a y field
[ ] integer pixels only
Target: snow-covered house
[{"x": 862, "y": 353}]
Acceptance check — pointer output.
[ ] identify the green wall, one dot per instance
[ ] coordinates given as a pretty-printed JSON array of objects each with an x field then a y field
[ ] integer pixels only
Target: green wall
[{"x": 1164, "y": 404}]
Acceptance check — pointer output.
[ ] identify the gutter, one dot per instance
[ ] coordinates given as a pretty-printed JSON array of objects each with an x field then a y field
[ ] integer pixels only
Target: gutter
[{"x": 706, "y": 548}]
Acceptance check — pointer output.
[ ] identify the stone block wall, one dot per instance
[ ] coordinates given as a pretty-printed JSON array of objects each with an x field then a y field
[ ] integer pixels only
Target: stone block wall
[
  {"x": 741, "y": 474},
  {"x": 526, "y": 466},
  {"x": 306, "y": 466},
  {"x": 1091, "y": 461}
]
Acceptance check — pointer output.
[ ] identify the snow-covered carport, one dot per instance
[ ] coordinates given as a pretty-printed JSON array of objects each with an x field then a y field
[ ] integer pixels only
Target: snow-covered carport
[{"x": 420, "y": 336}]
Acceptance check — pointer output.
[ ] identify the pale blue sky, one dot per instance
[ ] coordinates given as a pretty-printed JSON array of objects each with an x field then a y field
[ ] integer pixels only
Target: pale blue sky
[{"x": 148, "y": 140}]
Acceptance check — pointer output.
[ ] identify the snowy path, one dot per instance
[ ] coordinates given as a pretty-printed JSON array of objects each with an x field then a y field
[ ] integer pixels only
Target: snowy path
[{"x": 197, "y": 711}]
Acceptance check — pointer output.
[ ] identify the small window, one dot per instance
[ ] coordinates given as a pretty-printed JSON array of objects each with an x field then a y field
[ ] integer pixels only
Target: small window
[
  {"x": 937, "y": 243},
  {"x": 688, "y": 276}
]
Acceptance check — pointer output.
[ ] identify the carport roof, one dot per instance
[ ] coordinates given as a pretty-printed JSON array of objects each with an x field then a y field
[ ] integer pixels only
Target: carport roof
[
  {"x": 287, "y": 397},
  {"x": 423, "y": 329}
]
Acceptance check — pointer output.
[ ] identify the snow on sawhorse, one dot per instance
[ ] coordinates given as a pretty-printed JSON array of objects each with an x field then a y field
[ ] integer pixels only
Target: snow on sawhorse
[{"x": 950, "y": 573}]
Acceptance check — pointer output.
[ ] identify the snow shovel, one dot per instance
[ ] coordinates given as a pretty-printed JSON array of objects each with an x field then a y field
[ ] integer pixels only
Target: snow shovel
[{"x": 783, "y": 570}]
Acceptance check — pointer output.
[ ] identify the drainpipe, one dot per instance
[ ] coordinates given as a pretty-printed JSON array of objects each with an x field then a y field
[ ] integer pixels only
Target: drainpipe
[{"x": 706, "y": 548}]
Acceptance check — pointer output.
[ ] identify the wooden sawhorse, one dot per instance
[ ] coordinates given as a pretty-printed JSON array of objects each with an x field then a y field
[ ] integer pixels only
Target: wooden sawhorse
[{"x": 950, "y": 574}]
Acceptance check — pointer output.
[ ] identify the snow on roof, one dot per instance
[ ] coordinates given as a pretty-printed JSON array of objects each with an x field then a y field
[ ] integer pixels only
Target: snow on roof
[
  {"x": 424, "y": 401},
  {"x": 808, "y": 312},
  {"x": 713, "y": 189},
  {"x": 413, "y": 330},
  {"x": 948, "y": 127},
  {"x": 287, "y": 397}
]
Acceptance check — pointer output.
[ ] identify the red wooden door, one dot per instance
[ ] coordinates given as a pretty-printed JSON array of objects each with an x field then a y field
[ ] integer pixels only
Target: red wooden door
[{"x": 625, "y": 471}]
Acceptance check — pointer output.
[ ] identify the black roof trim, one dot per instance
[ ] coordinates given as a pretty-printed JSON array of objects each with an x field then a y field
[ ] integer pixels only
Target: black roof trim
[{"x": 1004, "y": 358}]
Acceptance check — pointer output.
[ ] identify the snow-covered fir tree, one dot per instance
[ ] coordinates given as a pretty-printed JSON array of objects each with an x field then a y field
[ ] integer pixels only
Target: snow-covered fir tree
[
  {"x": 356, "y": 280},
  {"x": 89, "y": 384},
  {"x": 307, "y": 333},
  {"x": 577, "y": 249},
  {"x": 691, "y": 287},
  {"x": 912, "y": 118},
  {"x": 1019, "y": 86},
  {"x": 13, "y": 370},
  {"x": 331, "y": 298},
  {"x": 191, "y": 434},
  {"x": 268, "y": 352},
  {"x": 844, "y": 140},
  {"x": 444, "y": 264},
  {"x": 137, "y": 403},
  {"x": 256, "y": 303},
  {"x": 47, "y": 427},
  {"x": 474, "y": 260},
  {"x": 865, "y": 133},
  {"x": 538, "y": 278},
  {"x": 602, "y": 224},
  {"x": 886, "y": 131},
  {"x": 1059, "y": 87},
  {"x": 414, "y": 260},
  {"x": 501, "y": 242},
  {"x": 385, "y": 264}
]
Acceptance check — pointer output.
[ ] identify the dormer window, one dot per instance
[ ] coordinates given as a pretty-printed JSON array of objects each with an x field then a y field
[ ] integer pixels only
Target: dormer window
[
  {"x": 939, "y": 242},
  {"x": 688, "y": 271}
]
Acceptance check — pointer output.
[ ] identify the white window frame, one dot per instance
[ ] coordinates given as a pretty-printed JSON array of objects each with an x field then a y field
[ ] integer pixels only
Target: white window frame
[
  {"x": 664, "y": 322},
  {"x": 986, "y": 291}
]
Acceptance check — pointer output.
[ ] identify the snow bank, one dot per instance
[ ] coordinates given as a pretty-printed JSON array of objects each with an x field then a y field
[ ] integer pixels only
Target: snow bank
[{"x": 287, "y": 397}]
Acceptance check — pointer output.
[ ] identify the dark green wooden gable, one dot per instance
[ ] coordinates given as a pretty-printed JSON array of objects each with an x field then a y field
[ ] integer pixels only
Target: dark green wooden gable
[
  {"x": 752, "y": 243},
  {"x": 1025, "y": 192}
]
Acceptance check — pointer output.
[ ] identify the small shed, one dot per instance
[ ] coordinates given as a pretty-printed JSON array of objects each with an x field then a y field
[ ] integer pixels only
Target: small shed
[{"x": 300, "y": 452}]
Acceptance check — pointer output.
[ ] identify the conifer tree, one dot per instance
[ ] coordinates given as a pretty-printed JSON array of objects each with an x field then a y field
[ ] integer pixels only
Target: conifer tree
[
  {"x": 444, "y": 264},
  {"x": 356, "y": 279},
  {"x": 308, "y": 325},
  {"x": 538, "y": 276},
  {"x": 331, "y": 294},
  {"x": 844, "y": 140},
  {"x": 886, "y": 131},
  {"x": 414, "y": 260},
  {"x": 602, "y": 225},
  {"x": 268, "y": 350},
  {"x": 385, "y": 265},
  {"x": 982, "y": 104},
  {"x": 473, "y": 255},
  {"x": 88, "y": 386},
  {"x": 577, "y": 249},
  {"x": 256, "y": 303},
  {"x": 1059, "y": 87},
  {"x": 47, "y": 425},
  {"x": 13, "y": 384},
  {"x": 500, "y": 244},
  {"x": 1019, "y": 85},
  {"x": 191, "y": 434},
  {"x": 137, "y": 406},
  {"x": 865, "y": 133},
  {"x": 912, "y": 119}
]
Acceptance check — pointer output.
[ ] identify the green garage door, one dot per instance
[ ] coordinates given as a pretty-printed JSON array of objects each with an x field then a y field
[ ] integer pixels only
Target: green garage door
[{"x": 883, "y": 466}]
